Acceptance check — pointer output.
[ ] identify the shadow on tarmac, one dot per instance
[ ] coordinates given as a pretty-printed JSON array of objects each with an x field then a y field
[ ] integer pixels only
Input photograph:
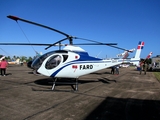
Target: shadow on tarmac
[
  {"x": 69, "y": 82},
  {"x": 96, "y": 73},
  {"x": 49, "y": 81},
  {"x": 126, "y": 109}
]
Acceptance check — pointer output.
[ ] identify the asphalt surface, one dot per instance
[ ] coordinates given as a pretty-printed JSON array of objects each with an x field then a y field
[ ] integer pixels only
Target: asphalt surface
[{"x": 100, "y": 96}]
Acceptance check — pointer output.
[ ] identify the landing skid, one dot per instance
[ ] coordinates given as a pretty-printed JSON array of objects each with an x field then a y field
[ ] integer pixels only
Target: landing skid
[{"x": 74, "y": 84}]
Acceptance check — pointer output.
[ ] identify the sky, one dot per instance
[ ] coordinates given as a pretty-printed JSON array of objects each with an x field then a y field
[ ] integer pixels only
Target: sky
[{"x": 125, "y": 22}]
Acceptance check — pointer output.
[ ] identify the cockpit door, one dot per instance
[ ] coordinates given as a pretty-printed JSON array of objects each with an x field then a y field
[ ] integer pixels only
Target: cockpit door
[{"x": 53, "y": 62}]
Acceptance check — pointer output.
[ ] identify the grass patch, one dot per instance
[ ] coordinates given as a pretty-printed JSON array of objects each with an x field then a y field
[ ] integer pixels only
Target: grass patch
[{"x": 157, "y": 74}]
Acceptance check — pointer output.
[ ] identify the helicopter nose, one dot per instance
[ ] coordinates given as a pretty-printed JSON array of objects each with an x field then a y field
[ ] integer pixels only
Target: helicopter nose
[
  {"x": 29, "y": 64},
  {"x": 35, "y": 72},
  {"x": 36, "y": 64}
]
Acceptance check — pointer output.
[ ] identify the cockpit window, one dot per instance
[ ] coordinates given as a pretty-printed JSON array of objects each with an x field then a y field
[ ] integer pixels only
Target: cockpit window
[
  {"x": 65, "y": 57},
  {"x": 39, "y": 60},
  {"x": 53, "y": 62}
]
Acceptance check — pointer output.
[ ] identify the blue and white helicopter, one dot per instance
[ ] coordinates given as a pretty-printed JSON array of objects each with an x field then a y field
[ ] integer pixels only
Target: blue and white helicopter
[{"x": 71, "y": 62}]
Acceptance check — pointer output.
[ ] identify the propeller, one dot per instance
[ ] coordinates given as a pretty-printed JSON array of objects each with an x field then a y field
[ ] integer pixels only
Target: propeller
[
  {"x": 58, "y": 43},
  {"x": 41, "y": 44},
  {"x": 119, "y": 48},
  {"x": 35, "y": 44},
  {"x": 69, "y": 37},
  {"x": 95, "y": 42},
  {"x": 17, "y": 18}
]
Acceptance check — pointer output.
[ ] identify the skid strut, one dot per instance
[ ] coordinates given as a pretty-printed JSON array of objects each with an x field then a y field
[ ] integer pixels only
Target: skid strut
[
  {"x": 74, "y": 84},
  {"x": 54, "y": 83}
]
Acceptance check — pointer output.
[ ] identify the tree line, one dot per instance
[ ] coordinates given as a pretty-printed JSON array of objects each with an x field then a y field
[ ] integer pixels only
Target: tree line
[{"x": 22, "y": 58}]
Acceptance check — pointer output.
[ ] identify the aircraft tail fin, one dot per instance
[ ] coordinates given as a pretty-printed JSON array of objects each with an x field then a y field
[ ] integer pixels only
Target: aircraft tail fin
[
  {"x": 2, "y": 58},
  {"x": 17, "y": 61},
  {"x": 149, "y": 55},
  {"x": 136, "y": 59},
  {"x": 139, "y": 48}
]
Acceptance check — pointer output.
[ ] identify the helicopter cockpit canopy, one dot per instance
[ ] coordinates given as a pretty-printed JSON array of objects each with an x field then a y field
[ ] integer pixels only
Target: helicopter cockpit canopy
[{"x": 52, "y": 62}]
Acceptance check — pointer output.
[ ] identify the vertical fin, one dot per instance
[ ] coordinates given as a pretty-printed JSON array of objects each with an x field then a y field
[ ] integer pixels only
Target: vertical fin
[
  {"x": 17, "y": 61},
  {"x": 136, "y": 59},
  {"x": 125, "y": 55},
  {"x": 139, "y": 48},
  {"x": 2, "y": 58},
  {"x": 149, "y": 55}
]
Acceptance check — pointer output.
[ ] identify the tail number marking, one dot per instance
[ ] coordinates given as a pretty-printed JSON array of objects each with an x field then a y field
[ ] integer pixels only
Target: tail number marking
[{"x": 85, "y": 67}]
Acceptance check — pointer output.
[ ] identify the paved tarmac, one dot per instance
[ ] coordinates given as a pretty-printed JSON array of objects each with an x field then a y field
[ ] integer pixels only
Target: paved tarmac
[{"x": 100, "y": 96}]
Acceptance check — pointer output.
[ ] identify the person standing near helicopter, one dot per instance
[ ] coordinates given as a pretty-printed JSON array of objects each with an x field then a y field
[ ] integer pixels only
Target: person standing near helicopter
[
  {"x": 117, "y": 70},
  {"x": 143, "y": 66},
  {"x": 112, "y": 70},
  {"x": 3, "y": 66}
]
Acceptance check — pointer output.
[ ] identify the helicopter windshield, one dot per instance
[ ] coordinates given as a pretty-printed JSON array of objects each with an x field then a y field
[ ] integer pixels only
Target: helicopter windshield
[
  {"x": 38, "y": 61},
  {"x": 53, "y": 62}
]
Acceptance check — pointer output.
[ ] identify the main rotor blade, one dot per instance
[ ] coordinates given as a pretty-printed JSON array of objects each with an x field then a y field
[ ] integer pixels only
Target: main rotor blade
[
  {"x": 17, "y": 18},
  {"x": 119, "y": 48},
  {"x": 35, "y": 44},
  {"x": 108, "y": 44},
  {"x": 99, "y": 43},
  {"x": 95, "y": 44},
  {"x": 49, "y": 45},
  {"x": 67, "y": 36},
  {"x": 55, "y": 44},
  {"x": 59, "y": 42}
]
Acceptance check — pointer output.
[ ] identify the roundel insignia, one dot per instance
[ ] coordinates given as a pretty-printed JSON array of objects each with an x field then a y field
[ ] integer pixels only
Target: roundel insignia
[{"x": 76, "y": 57}]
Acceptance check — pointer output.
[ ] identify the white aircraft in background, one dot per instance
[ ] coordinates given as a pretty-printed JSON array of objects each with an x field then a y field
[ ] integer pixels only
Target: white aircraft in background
[
  {"x": 2, "y": 58},
  {"x": 17, "y": 61},
  {"x": 125, "y": 54},
  {"x": 149, "y": 55},
  {"x": 135, "y": 61}
]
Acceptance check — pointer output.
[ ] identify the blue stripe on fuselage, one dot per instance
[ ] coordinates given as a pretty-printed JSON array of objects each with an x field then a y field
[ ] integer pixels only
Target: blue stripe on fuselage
[
  {"x": 84, "y": 58},
  {"x": 76, "y": 62}
]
